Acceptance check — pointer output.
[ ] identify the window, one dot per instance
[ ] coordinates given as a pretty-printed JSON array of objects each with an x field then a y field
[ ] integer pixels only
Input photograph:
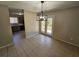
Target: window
[{"x": 13, "y": 20}]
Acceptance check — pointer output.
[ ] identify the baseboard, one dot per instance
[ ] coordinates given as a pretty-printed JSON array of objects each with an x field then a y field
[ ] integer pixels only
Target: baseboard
[
  {"x": 8, "y": 45},
  {"x": 69, "y": 43}
]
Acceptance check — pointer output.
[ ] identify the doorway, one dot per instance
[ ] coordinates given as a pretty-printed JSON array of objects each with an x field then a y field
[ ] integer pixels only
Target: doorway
[
  {"x": 46, "y": 27},
  {"x": 49, "y": 26},
  {"x": 17, "y": 20}
]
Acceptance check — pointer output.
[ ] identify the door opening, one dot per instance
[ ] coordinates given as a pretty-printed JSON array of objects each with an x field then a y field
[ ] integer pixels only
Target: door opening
[
  {"x": 46, "y": 27},
  {"x": 17, "y": 20},
  {"x": 49, "y": 26}
]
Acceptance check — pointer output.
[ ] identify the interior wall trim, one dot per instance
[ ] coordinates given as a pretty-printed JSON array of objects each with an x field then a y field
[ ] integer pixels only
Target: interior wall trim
[
  {"x": 8, "y": 45},
  {"x": 68, "y": 42}
]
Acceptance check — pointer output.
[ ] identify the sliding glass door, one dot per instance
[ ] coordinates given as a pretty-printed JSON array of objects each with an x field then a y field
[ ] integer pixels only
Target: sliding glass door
[{"x": 46, "y": 27}]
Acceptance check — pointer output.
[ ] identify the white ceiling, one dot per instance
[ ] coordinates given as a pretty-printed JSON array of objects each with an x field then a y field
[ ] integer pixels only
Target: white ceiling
[{"x": 35, "y": 6}]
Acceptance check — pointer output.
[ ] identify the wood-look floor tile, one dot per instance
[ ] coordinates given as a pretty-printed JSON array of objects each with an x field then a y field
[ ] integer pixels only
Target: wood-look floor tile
[
  {"x": 12, "y": 51},
  {"x": 38, "y": 46},
  {"x": 3, "y": 52}
]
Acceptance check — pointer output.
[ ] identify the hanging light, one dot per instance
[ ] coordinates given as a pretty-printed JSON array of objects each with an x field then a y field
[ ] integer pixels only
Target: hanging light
[{"x": 42, "y": 16}]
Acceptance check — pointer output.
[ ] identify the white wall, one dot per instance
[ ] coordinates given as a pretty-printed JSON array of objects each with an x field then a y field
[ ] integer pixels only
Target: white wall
[
  {"x": 5, "y": 29},
  {"x": 66, "y": 25},
  {"x": 31, "y": 25}
]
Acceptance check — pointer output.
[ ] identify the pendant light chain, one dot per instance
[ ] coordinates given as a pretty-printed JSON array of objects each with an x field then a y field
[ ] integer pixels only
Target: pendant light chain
[{"x": 42, "y": 8}]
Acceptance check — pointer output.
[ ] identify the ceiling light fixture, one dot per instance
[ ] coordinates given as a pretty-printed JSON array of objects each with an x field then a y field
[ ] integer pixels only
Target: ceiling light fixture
[{"x": 42, "y": 16}]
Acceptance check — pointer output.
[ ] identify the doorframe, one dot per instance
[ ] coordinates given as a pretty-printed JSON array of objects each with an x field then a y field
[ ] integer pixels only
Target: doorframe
[{"x": 53, "y": 18}]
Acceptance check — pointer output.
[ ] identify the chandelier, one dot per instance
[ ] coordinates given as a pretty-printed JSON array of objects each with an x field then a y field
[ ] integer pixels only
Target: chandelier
[{"x": 42, "y": 16}]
